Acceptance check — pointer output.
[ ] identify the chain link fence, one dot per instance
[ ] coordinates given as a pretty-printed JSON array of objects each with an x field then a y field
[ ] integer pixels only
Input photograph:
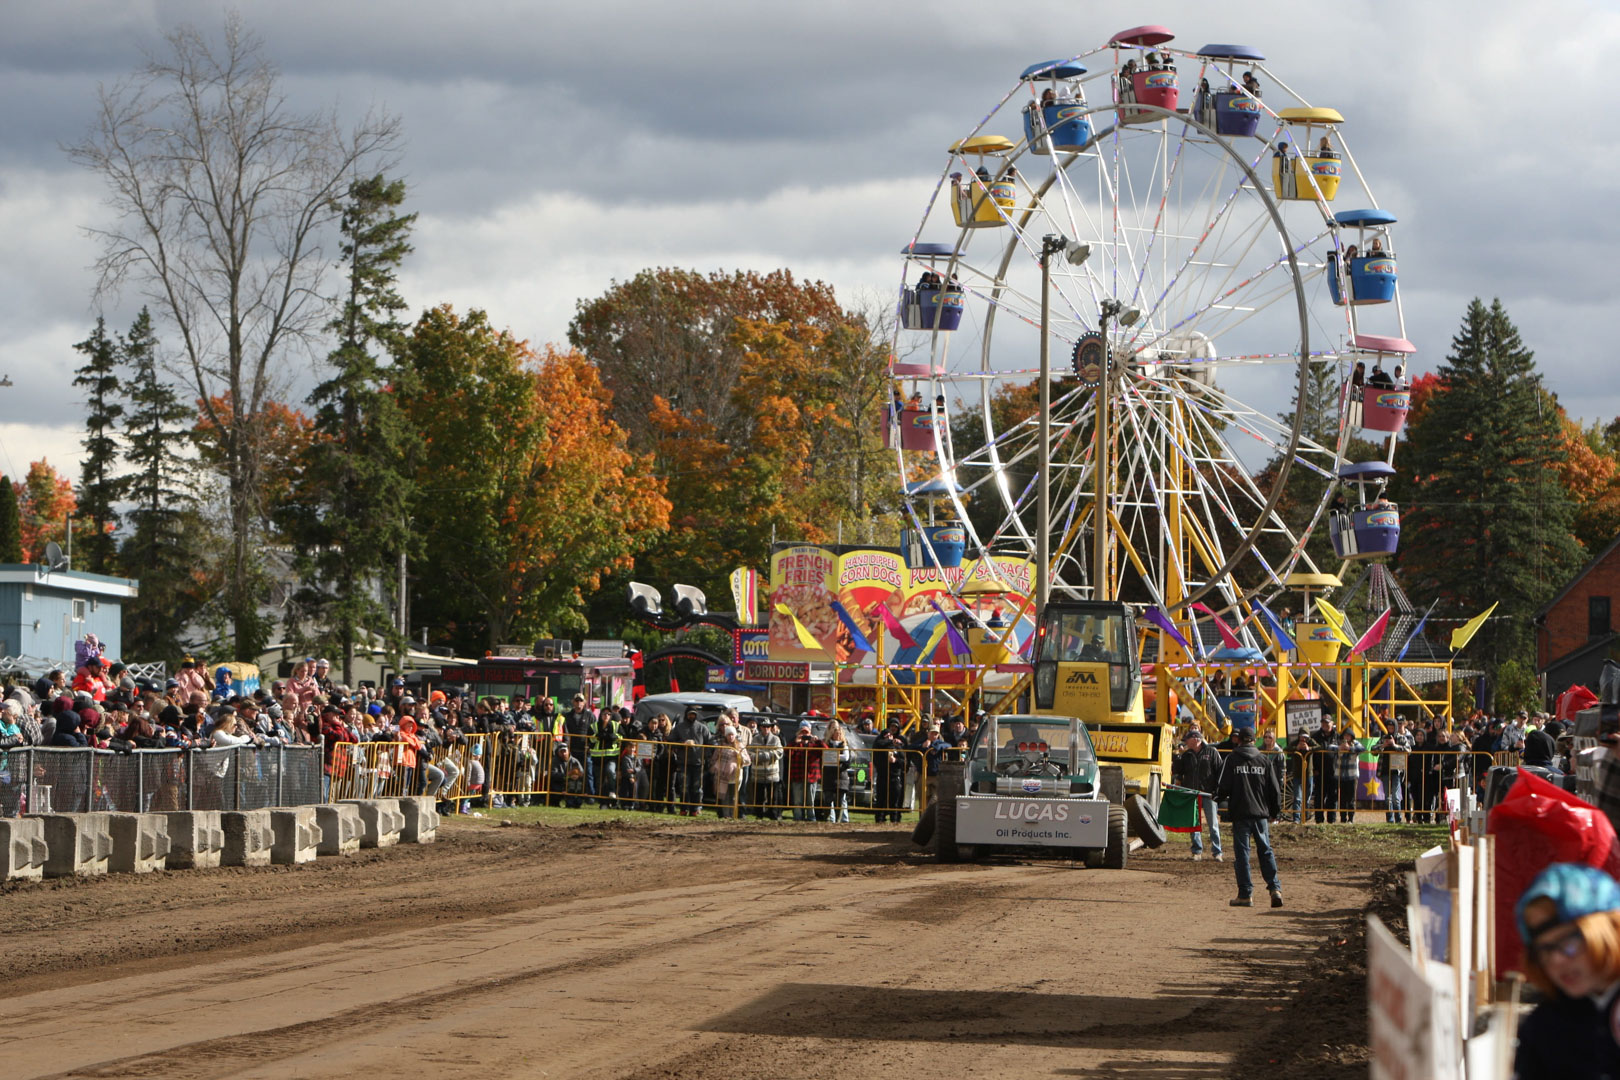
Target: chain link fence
[{"x": 48, "y": 779}]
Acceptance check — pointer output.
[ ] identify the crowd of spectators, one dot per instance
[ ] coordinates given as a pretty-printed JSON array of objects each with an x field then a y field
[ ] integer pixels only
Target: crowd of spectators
[
  {"x": 1322, "y": 775},
  {"x": 732, "y": 763}
]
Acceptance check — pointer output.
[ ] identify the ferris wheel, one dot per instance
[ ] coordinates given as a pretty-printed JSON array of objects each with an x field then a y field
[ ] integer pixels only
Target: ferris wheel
[{"x": 1169, "y": 228}]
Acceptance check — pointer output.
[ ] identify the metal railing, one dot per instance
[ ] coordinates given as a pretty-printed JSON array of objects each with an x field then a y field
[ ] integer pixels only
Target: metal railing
[{"x": 50, "y": 779}]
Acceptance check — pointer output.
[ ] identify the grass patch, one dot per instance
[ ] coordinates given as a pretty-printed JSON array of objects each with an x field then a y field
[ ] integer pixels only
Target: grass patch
[
  {"x": 589, "y": 815},
  {"x": 1392, "y": 843}
]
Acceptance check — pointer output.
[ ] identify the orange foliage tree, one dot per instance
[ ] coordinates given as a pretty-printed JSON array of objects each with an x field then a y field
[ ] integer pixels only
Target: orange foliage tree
[
  {"x": 761, "y": 399},
  {"x": 281, "y": 432},
  {"x": 45, "y": 500},
  {"x": 527, "y": 493},
  {"x": 1591, "y": 475}
]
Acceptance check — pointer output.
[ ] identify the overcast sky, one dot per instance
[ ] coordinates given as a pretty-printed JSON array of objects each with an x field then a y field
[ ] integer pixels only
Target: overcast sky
[{"x": 554, "y": 148}]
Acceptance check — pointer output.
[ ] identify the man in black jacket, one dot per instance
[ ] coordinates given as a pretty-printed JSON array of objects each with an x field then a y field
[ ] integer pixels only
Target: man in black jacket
[
  {"x": 579, "y": 726},
  {"x": 686, "y": 764},
  {"x": 1198, "y": 767},
  {"x": 1256, "y": 798}
]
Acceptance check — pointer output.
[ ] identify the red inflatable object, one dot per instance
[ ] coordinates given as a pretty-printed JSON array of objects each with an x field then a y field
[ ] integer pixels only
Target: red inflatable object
[{"x": 1536, "y": 825}]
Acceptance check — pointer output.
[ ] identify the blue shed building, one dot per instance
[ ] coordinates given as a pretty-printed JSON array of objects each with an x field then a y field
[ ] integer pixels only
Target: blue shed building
[{"x": 43, "y": 612}]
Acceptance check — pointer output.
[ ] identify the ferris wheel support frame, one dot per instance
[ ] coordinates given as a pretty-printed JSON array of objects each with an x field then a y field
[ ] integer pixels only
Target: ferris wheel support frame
[{"x": 1104, "y": 436}]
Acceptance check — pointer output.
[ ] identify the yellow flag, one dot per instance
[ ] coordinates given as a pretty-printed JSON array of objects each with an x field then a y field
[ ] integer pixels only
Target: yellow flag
[
  {"x": 1335, "y": 620},
  {"x": 1465, "y": 633},
  {"x": 806, "y": 638}
]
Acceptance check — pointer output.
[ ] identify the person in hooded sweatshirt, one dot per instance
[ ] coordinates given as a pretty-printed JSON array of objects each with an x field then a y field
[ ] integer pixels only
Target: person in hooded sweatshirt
[{"x": 67, "y": 730}]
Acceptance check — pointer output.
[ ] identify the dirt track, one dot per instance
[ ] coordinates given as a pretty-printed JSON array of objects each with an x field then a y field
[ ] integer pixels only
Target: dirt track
[{"x": 664, "y": 950}]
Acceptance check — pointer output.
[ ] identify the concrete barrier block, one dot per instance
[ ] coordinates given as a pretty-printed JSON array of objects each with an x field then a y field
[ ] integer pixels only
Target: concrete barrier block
[
  {"x": 421, "y": 819},
  {"x": 196, "y": 839},
  {"x": 23, "y": 849},
  {"x": 140, "y": 843},
  {"x": 77, "y": 845},
  {"x": 295, "y": 835},
  {"x": 382, "y": 821},
  {"x": 340, "y": 828},
  {"x": 248, "y": 838}
]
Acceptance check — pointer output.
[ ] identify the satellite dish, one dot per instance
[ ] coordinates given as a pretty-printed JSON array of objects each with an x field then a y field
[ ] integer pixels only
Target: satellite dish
[{"x": 54, "y": 559}]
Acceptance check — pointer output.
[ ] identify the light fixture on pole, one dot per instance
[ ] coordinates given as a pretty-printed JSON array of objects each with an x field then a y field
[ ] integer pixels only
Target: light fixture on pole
[
  {"x": 1051, "y": 244},
  {"x": 1125, "y": 315}
]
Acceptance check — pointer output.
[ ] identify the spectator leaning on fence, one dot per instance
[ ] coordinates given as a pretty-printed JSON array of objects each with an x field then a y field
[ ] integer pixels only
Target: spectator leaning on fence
[
  {"x": 1394, "y": 757},
  {"x": 767, "y": 771},
  {"x": 804, "y": 772}
]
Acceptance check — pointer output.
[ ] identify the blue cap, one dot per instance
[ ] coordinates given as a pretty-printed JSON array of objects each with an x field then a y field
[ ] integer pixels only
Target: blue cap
[
  {"x": 374, "y": 709},
  {"x": 1575, "y": 889}
]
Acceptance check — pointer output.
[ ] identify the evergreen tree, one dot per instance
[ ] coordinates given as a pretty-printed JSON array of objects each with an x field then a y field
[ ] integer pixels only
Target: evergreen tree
[
  {"x": 98, "y": 487},
  {"x": 1484, "y": 515},
  {"x": 155, "y": 426},
  {"x": 167, "y": 545},
  {"x": 10, "y": 524},
  {"x": 348, "y": 512}
]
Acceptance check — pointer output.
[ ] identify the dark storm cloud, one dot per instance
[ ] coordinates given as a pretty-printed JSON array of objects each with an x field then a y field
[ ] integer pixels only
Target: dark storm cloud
[{"x": 552, "y": 148}]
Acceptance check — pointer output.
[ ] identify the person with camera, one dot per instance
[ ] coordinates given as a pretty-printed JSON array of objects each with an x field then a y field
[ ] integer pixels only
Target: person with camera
[
  {"x": 804, "y": 773},
  {"x": 888, "y": 773}
]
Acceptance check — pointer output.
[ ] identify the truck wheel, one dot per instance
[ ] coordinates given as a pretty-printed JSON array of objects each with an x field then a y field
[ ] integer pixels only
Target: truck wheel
[
  {"x": 1144, "y": 822},
  {"x": 1119, "y": 844},
  {"x": 1093, "y": 858},
  {"x": 945, "y": 829},
  {"x": 924, "y": 830}
]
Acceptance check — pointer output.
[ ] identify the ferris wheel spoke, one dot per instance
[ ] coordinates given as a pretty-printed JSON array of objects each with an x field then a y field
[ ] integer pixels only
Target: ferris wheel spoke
[{"x": 1214, "y": 224}]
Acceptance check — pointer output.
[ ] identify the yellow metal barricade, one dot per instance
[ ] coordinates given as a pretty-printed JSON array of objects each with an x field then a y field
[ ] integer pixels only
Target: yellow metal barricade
[{"x": 519, "y": 765}]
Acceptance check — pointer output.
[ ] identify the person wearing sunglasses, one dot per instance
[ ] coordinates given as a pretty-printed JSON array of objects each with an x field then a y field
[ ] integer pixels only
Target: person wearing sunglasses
[{"x": 1569, "y": 919}]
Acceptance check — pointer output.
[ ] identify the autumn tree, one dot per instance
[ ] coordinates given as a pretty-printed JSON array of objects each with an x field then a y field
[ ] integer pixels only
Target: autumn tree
[
  {"x": 672, "y": 334},
  {"x": 97, "y": 549},
  {"x": 1591, "y": 474},
  {"x": 763, "y": 408},
  {"x": 223, "y": 194},
  {"x": 526, "y": 492},
  {"x": 347, "y": 512},
  {"x": 1484, "y": 517},
  {"x": 11, "y": 550},
  {"x": 45, "y": 502}
]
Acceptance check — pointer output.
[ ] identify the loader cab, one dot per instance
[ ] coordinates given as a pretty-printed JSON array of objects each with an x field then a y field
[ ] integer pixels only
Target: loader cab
[{"x": 1086, "y": 663}]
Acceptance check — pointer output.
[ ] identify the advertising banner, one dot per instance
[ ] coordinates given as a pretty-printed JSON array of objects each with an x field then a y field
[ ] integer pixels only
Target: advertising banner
[{"x": 803, "y": 578}]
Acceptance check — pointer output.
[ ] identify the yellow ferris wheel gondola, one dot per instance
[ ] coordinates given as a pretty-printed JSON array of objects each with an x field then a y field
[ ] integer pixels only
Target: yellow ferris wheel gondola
[
  {"x": 1312, "y": 165},
  {"x": 982, "y": 201}
]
